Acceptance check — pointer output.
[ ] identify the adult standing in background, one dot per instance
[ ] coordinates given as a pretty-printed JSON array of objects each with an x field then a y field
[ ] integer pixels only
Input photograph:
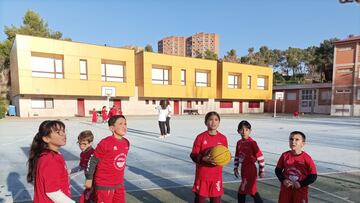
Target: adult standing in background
[{"x": 169, "y": 108}]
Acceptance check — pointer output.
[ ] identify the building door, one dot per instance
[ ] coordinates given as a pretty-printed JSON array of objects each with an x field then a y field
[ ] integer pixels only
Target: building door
[
  {"x": 176, "y": 107},
  {"x": 81, "y": 107},
  {"x": 188, "y": 104},
  {"x": 240, "y": 107},
  {"x": 117, "y": 104}
]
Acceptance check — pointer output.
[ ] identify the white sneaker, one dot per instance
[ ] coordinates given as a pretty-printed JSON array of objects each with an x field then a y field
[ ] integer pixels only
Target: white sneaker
[
  {"x": 168, "y": 135},
  {"x": 161, "y": 137}
]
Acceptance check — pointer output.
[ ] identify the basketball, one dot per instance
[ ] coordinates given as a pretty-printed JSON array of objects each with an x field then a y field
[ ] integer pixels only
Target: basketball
[{"x": 220, "y": 155}]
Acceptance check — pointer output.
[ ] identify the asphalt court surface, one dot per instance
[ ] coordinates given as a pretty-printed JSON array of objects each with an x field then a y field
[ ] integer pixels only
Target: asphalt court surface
[{"x": 160, "y": 170}]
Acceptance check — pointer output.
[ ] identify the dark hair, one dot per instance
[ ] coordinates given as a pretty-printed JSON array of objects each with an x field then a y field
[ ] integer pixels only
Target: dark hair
[
  {"x": 86, "y": 135},
  {"x": 163, "y": 104},
  {"x": 245, "y": 124},
  {"x": 38, "y": 145},
  {"x": 113, "y": 119},
  {"x": 211, "y": 113},
  {"x": 298, "y": 132},
  {"x": 104, "y": 107}
]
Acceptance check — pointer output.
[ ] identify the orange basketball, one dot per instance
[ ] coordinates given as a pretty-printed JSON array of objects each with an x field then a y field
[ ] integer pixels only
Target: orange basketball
[{"x": 221, "y": 155}]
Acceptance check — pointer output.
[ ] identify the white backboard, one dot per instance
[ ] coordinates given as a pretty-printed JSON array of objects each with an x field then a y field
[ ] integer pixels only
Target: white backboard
[{"x": 108, "y": 91}]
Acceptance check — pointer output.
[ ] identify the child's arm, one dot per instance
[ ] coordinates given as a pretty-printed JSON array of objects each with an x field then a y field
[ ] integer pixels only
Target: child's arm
[
  {"x": 90, "y": 170},
  {"x": 76, "y": 169},
  {"x": 307, "y": 181},
  {"x": 261, "y": 163},
  {"x": 282, "y": 178},
  {"x": 59, "y": 197}
]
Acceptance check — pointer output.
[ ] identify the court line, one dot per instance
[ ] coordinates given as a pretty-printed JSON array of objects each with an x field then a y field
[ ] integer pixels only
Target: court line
[{"x": 328, "y": 193}]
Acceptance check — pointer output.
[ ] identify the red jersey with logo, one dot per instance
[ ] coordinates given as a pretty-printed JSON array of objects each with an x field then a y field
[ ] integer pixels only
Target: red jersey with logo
[
  {"x": 295, "y": 168},
  {"x": 112, "y": 154},
  {"x": 247, "y": 153},
  {"x": 51, "y": 175},
  {"x": 208, "y": 179},
  {"x": 85, "y": 156}
]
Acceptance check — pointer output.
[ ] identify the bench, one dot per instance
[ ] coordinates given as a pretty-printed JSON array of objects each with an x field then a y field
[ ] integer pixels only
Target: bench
[{"x": 191, "y": 111}]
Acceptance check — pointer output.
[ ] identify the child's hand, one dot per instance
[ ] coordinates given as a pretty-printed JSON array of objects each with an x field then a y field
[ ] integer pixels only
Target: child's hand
[
  {"x": 261, "y": 174},
  {"x": 287, "y": 183},
  {"x": 297, "y": 184},
  {"x": 208, "y": 159},
  {"x": 236, "y": 172},
  {"x": 88, "y": 184}
]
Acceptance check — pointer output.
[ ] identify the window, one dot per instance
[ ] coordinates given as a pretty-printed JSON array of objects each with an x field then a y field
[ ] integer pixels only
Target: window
[
  {"x": 153, "y": 102},
  {"x": 183, "y": 77},
  {"x": 226, "y": 104},
  {"x": 146, "y": 101},
  {"x": 261, "y": 82},
  {"x": 249, "y": 82},
  {"x": 340, "y": 91},
  {"x": 344, "y": 49},
  {"x": 234, "y": 81},
  {"x": 307, "y": 95},
  {"x": 47, "y": 103},
  {"x": 344, "y": 70},
  {"x": 202, "y": 79},
  {"x": 83, "y": 70},
  {"x": 160, "y": 75},
  {"x": 291, "y": 96},
  {"x": 253, "y": 105},
  {"x": 45, "y": 67},
  {"x": 112, "y": 72}
]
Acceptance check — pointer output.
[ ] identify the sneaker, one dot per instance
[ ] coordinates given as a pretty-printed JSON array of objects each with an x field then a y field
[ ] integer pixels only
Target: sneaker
[
  {"x": 161, "y": 137},
  {"x": 168, "y": 135}
]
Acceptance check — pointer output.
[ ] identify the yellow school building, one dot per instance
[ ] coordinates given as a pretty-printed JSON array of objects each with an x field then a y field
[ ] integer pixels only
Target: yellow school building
[{"x": 55, "y": 78}]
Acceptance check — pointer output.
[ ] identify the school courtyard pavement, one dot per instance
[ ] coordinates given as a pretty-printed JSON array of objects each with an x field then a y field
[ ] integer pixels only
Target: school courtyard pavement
[{"x": 160, "y": 170}]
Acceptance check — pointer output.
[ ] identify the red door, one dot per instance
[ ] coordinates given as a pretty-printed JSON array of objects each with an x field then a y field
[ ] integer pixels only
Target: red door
[
  {"x": 117, "y": 103},
  {"x": 240, "y": 107},
  {"x": 176, "y": 107},
  {"x": 81, "y": 107},
  {"x": 188, "y": 104}
]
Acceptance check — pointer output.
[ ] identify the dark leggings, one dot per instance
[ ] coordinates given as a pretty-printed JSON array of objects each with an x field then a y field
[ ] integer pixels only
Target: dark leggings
[
  {"x": 162, "y": 127},
  {"x": 200, "y": 199},
  {"x": 256, "y": 197},
  {"x": 168, "y": 125}
]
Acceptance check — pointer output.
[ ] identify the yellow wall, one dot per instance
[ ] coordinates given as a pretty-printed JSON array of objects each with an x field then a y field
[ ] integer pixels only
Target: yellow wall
[
  {"x": 71, "y": 52},
  {"x": 175, "y": 89},
  {"x": 244, "y": 93}
]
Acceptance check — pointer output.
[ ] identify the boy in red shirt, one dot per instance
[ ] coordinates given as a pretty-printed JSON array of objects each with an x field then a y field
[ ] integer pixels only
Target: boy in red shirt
[
  {"x": 109, "y": 160},
  {"x": 208, "y": 177},
  {"x": 295, "y": 170},
  {"x": 85, "y": 140},
  {"x": 247, "y": 153}
]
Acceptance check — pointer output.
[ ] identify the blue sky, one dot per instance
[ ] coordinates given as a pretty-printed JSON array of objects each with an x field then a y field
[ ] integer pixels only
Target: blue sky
[{"x": 241, "y": 24}]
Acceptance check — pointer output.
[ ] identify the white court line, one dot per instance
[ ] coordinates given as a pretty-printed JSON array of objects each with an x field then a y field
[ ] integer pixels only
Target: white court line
[{"x": 328, "y": 193}]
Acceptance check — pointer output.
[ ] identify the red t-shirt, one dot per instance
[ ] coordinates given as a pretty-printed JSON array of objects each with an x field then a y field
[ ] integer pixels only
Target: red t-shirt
[
  {"x": 104, "y": 114},
  {"x": 202, "y": 142},
  {"x": 51, "y": 176},
  {"x": 296, "y": 167},
  {"x": 247, "y": 151},
  {"x": 112, "y": 154},
  {"x": 85, "y": 156}
]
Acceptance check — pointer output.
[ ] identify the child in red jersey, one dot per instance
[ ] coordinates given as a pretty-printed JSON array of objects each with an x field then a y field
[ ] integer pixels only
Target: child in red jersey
[
  {"x": 295, "y": 170},
  {"x": 208, "y": 177},
  {"x": 85, "y": 140},
  {"x": 109, "y": 160},
  {"x": 104, "y": 114},
  {"x": 247, "y": 153},
  {"x": 94, "y": 116},
  {"x": 46, "y": 166}
]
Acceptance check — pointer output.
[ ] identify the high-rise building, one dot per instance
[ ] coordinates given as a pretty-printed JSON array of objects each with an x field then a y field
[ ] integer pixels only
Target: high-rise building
[
  {"x": 172, "y": 45},
  {"x": 346, "y": 78},
  {"x": 189, "y": 46},
  {"x": 200, "y": 42}
]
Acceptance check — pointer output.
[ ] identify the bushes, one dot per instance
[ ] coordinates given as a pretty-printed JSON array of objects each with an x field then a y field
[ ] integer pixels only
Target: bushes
[{"x": 3, "y": 108}]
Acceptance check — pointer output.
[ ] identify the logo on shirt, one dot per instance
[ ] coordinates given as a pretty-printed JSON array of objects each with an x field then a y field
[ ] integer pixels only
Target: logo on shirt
[
  {"x": 119, "y": 161},
  {"x": 115, "y": 148},
  {"x": 205, "y": 142}
]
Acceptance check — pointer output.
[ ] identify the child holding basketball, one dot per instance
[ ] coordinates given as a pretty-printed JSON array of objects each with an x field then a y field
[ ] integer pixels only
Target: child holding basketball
[
  {"x": 46, "y": 165},
  {"x": 295, "y": 170},
  {"x": 208, "y": 177},
  {"x": 247, "y": 153},
  {"x": 85, "y": 140},
  {"x": 109, "y": 160}
]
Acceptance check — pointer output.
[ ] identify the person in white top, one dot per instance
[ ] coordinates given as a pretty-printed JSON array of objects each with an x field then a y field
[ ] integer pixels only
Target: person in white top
[
  {"x": 169, "y": 108},
  {"x": 163, "y": 113}
]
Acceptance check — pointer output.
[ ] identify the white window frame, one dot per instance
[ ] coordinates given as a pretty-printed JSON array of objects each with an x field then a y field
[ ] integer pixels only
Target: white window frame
[
  {"x": 261, "y": 82},
  {"x": 83, "y": 69},
  {"x": 183, "y": 77},
  {"x": 249, "y": 81},
  {"x": 42, "y": 103},
  {"x": 202, "y": 78},
  {"x": 46, "y": 67},
  {"x": 160, "y": 75},
  {"x": 234, "y": 81},
  {"x": 112, "y": 72}
]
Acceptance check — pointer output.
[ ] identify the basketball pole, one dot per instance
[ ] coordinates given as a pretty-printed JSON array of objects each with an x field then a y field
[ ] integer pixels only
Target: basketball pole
[{"x": 275, "y": 107}]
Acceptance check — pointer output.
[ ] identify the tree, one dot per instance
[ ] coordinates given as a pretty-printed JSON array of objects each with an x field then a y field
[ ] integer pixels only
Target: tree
[
  {"x": 324, "y": 59},
  {"x": 210, "y": 55},
  {"x": 231, "y": 56},
  {"x": 33, "y": 25},
  {"x": 149, "y": 48}
]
